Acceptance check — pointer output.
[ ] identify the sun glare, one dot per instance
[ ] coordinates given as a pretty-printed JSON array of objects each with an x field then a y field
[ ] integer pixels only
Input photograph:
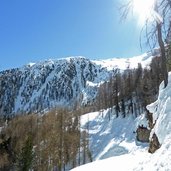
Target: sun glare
[{"x": 144, "y": 9}]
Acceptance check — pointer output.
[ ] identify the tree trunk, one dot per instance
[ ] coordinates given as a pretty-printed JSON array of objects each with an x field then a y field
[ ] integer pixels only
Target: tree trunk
[{"x": 163, "y": 55}]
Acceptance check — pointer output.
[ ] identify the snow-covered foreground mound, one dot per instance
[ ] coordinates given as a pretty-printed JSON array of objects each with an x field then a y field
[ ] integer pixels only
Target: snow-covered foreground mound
[{"x": 116, "y": 138}]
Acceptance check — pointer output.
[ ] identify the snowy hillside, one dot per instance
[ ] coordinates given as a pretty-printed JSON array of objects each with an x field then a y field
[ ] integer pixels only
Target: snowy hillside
[
  {"x": 111, "y": 137},
  {"x": 44, "y": 85},
  {"x": 115, "y": 139}
]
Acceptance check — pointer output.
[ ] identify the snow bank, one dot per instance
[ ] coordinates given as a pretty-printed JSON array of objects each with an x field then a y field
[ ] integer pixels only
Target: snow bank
[
  {"x": 161, "y": 110},
  {"x": 119, "y": 163}
]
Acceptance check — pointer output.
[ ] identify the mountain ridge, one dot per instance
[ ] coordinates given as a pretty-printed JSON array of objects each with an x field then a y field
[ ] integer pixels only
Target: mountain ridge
[{"x": 41, "y": 86}]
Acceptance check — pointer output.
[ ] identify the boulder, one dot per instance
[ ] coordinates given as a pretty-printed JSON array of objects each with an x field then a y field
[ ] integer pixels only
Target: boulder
[{"x": 143, "y": 134}]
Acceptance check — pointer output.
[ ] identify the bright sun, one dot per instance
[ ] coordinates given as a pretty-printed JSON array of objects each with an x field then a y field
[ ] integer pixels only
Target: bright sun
[{"x": 144, "y": 9}]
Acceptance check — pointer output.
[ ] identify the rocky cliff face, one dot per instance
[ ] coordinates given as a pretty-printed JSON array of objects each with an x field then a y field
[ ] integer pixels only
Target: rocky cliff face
[{"x": 48, "y": 84}]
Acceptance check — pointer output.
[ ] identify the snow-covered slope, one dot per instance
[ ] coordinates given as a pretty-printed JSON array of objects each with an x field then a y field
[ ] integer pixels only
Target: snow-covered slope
[
  {"x": 44, "y": 85},
  {"x": 107, "y": 139},
  {"x": 112, "y": 137},
  {"x": 123, "y": 63}
]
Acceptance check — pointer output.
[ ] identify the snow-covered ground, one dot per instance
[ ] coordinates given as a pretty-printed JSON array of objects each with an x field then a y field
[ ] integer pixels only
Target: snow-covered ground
[{"x": 114, "y": 140}]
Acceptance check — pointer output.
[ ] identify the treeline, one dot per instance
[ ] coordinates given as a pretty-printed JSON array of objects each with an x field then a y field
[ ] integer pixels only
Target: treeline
[
  {"x": 131, "y": 90},
  {"x": 49, "y": 142}
]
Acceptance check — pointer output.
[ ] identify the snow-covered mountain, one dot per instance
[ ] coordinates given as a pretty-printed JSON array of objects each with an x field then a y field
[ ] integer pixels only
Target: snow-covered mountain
[
  {"x": 40, "y": 86},
  {"x": 114, "y": 140}
]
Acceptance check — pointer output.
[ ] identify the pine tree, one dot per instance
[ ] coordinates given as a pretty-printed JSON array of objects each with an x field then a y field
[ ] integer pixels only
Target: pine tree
[{"x": 27, "y": 155}]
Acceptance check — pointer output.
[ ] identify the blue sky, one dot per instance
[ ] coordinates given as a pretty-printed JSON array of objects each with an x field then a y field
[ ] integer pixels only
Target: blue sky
[{"x": 34, "y": 30}]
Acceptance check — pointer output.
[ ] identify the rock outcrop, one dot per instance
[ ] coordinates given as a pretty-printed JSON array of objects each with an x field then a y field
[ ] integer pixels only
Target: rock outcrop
[{"x": 154, "y": 144}]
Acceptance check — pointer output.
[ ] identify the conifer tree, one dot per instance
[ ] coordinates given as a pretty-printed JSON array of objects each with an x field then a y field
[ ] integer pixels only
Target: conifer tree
[{"x": 26, "y": 156}]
